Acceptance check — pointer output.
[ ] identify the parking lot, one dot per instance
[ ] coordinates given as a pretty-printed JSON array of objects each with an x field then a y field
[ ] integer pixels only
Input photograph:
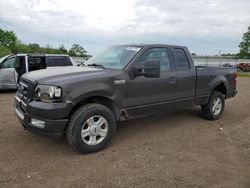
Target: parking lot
[{"x": 178, "y": 149}]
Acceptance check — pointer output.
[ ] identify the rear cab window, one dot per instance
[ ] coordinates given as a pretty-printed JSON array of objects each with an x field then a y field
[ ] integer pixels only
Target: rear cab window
[
  {"x": 181, "y": 60},
  {"x": 54, "y": 61}
]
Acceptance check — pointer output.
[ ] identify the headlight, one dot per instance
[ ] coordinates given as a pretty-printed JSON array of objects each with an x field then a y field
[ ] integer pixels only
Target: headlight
[{"x": 48, "y": 93}]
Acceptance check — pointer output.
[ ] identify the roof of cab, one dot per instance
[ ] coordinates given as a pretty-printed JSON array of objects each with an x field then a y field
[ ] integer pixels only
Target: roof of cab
[
  {"x": 38, "y": 54},
  {"x": 142, "y": 45}
]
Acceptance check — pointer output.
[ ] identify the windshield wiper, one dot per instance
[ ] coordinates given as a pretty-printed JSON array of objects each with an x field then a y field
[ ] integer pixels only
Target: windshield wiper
[{"x": 95, "y": 65}]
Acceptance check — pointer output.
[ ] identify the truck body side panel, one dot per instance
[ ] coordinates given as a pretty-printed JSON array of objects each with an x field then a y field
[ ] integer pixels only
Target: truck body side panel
[{"x": 210, "y": 77}]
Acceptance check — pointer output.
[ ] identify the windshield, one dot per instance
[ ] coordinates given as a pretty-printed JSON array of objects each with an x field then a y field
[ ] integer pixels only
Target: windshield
[
  {"x": 3, "y": 58},
  {"x": 116, "y": 57}
]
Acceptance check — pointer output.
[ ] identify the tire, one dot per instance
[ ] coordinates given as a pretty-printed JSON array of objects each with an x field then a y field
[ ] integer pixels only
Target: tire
[
  {"x": 90, "y": 128},
  {"x": 210, "y": 111}
]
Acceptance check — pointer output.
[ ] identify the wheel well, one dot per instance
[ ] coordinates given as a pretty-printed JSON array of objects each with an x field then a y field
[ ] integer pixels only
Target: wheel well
[
  {"x": 99, "y": 100},
  {"x": 221, "y": 88}
]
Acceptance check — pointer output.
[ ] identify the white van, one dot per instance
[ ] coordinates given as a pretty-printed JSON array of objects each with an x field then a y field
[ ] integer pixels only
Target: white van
[{"x": 13, "y": 66}]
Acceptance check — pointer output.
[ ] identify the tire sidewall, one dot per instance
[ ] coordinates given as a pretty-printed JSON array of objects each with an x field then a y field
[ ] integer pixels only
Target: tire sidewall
[
  {"x": 211, "y": 103},
  {"x": 78, "y": 123}
]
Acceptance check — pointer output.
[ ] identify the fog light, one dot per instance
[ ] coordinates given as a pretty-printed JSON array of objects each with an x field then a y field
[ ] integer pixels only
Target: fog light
[{"x": 37, "y": 123}]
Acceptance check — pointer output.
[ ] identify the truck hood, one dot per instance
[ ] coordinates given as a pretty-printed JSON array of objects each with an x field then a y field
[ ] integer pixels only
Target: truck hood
[{"x": 61, "y": 74}]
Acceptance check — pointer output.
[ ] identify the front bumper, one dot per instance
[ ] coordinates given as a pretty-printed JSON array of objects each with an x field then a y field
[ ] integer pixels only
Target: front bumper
[{"x": 51, "y": 127}]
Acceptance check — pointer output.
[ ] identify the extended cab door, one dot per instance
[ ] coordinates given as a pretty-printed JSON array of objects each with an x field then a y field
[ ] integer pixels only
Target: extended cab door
[
  {"x": 152, "y": 95},
  {"x": 7, "y": 73},
  {"x": 36, "y": 63},
  {"x": 186, "y": 77},
  {"x": 21, "y": 66}
]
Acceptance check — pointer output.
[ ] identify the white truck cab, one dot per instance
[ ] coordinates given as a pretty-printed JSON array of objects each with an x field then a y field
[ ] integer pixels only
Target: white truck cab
[{"x": 12, "y": 67}]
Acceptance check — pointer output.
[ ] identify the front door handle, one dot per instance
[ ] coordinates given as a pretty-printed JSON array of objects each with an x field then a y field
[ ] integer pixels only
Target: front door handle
[{"x": 172, "y": 80}]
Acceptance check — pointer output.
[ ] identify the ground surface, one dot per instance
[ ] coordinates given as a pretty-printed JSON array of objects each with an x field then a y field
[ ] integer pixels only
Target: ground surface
[{"x": 175, "y": 150}]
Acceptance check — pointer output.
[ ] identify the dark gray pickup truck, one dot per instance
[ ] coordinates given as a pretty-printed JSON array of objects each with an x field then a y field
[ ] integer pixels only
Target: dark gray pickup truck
[{"x": 85, "y": 103}]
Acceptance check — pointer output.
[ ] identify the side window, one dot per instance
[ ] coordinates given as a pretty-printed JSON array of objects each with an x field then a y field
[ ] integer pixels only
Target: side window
[
  {"x": 160, "y": 54},
  {"x": 181, "y": 60},
  {"x": 36, "y": 63},
  {"x": 54, "y": 61},
  {"x": 9, "y": 63}
]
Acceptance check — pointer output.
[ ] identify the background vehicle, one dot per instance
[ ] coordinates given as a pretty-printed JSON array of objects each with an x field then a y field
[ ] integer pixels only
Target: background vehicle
[
  {"x": 13, "y": 66},
  {"x": 245, "y": 67},
  {"x": 81, "y": 60},
  {"x": 123, "y": 82}
]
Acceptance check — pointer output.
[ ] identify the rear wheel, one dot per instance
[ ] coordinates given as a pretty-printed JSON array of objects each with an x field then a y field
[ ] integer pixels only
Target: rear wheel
[
  {"x": 91, "y": 128},
  {"x": 215, "y": 107}
]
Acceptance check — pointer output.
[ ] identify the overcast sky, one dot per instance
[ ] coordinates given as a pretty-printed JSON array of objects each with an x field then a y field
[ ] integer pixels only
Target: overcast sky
[{"x": 204, "y": 26}]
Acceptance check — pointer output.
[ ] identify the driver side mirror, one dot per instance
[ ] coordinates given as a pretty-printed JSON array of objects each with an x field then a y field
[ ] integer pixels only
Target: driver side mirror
[{"x": 151, "y": 69}]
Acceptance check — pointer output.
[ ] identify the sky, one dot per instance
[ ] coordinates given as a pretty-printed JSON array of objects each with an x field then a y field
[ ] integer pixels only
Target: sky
[{"x": 204, "y": 26}]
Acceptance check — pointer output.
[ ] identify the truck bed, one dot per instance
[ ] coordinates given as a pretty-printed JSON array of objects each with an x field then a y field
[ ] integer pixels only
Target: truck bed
[{"x": 207, "y": 77}]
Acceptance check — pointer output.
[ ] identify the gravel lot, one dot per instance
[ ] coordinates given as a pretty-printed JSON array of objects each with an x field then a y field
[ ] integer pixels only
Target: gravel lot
[{"x": 178, "y": 149}]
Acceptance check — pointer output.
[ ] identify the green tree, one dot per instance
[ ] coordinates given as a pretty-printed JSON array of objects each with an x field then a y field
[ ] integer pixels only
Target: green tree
[
  {"x": 8, "y": 39},
  {"x": 22, "y": 48},
  {"x": 34, "y": 48},
  {"x": 4, "y": 51},
  {"x": 9, "y": 43},
  {"x": 62, "y": 49},
  {"x": 77, "y": 50},
  {"x": 245, "y": 45}
]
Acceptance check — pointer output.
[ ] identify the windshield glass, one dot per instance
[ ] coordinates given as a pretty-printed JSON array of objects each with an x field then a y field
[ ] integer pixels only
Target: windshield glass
[
  {"x": 3, "y": 58},
  {"x": 116, "y": 57}
]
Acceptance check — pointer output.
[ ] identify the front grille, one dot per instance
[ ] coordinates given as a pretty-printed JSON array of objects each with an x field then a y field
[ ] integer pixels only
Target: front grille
[{"x": 26, "y": 89}]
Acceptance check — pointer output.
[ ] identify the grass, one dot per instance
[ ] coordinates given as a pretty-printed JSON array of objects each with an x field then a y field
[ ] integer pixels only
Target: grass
[{"x": 244, "y": 74}]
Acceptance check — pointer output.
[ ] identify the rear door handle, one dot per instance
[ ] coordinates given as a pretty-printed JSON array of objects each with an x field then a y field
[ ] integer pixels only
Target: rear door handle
[{"x": 172, "y": 80}]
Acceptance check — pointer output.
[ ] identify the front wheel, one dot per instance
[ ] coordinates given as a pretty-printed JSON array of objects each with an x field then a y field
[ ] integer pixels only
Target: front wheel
[
  {"x": 214, "y": 109},
  {"x": 91, "y": 128}
]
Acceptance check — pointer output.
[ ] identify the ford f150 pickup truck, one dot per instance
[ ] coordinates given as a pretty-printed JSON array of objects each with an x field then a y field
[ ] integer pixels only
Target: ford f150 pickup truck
[{"x": 85, "y": 103}]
